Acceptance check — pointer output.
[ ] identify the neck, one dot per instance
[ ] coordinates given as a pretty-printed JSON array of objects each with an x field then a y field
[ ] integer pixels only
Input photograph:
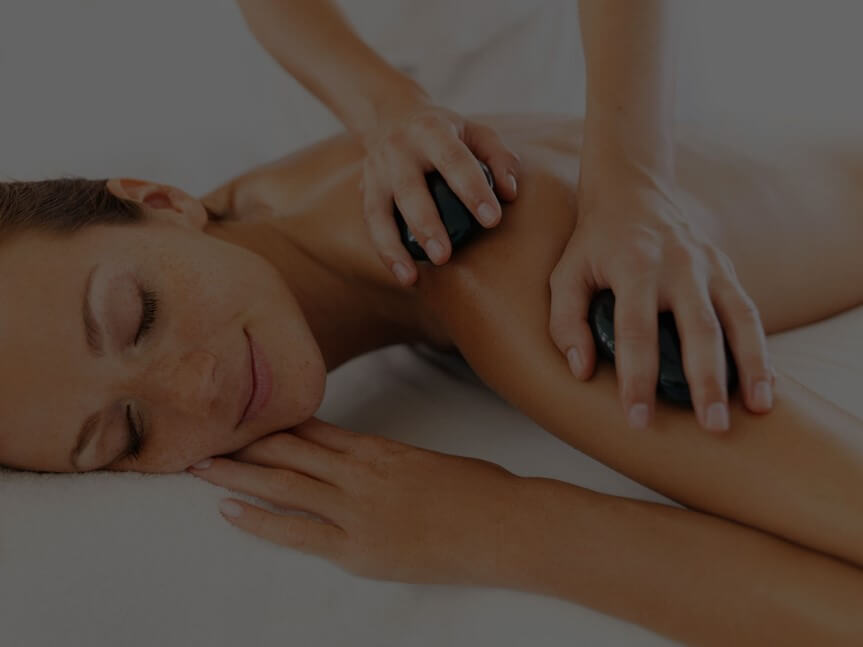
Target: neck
[{"x": 351, "y": 305}]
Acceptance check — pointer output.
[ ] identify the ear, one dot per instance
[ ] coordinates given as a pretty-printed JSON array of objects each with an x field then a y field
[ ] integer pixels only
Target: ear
[{"x": 161, "y": 201}]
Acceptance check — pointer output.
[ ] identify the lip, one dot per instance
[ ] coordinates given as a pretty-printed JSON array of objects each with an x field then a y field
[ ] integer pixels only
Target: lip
[{"x": 260, "y": 385}]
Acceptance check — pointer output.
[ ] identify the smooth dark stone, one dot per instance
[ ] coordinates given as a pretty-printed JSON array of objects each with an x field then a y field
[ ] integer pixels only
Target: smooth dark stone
[
  {"x": 671, "y": 385},
  {"x": 459, "y": 221}
]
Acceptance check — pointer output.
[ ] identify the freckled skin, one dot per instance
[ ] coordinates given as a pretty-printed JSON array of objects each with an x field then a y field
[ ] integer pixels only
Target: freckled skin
[{"x": 208, "y": 292}]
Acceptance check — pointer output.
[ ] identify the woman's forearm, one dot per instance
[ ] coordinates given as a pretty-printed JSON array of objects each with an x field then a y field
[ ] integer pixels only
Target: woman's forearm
[
  {"x": 315, "y": 43},
  {"x": 629, "y": 59},
  {"x": 684, "y": 574}
]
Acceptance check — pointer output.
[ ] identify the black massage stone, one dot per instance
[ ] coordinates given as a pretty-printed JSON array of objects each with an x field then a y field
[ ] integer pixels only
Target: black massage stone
[
  {"x": 672, "y": 384},
  {"x": 459, "y": 221}
]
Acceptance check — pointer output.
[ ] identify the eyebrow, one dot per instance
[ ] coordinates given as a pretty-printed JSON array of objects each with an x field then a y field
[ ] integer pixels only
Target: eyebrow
[{"x": 92, "y": 329}]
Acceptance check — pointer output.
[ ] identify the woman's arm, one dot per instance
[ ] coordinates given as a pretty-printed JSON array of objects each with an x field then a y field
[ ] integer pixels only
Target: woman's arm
[
  {"x": 797, "y": 472},
  {"x": 397, "y": 512},
  {"x": 687, "y": 575},
  {"x": 636, "y": 236}
]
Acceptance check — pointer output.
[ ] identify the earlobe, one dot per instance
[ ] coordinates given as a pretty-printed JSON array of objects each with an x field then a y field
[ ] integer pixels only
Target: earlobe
[{"x": 161, "y": 201}]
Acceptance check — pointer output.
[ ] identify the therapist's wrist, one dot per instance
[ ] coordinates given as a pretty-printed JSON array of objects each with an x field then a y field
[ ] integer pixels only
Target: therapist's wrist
[
  {"x": 386, "y": 97},
  {"x": 617, "y": 141}
]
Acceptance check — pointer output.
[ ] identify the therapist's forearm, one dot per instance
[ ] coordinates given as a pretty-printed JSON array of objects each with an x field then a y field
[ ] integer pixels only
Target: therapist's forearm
[
  {"x": 314, "y": 42},
  {"x": 687, "y": 575},
  {"x": 629, "y": 57}
]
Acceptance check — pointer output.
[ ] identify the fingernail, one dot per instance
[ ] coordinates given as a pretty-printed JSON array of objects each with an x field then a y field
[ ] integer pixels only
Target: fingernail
[
  {"x": 762, "y": 395},
  {"x": 638, "y": 416},
  {"x": 575, "y": 363},
  {"x": 402, "y": 273},
  {"x": 512, "y": 183},
  {"x": 435, "y": 250},
  {"x": 202, "y": 465},
  {"x": 230, "y": 508},
  {"x": 717, "y": 417},
  {"x": 487, "y": 214}
]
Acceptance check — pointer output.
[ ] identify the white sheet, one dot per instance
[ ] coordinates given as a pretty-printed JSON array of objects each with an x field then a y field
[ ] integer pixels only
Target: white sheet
[{"x": 179, "y": 92}]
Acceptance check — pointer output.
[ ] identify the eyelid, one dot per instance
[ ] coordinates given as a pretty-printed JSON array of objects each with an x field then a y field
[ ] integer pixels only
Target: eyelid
[
  {"x": 136, "y": 434},
  {"x": 149, "y": 310}
]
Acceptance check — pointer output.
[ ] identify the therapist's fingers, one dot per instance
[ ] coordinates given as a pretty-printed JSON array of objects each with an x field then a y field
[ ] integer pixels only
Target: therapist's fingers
[
  {"x": 309, "y": 536},
  {"x": 636, "y": 346},
  {"x": 459, "y": 167},
  {"x": 703, "y": 351},
  {"x": 505, "y": 165},
  {"x": 283, "y": 487},
  {"x": 413, "y": 199},
  {"x": 378, "y": 216},
  {"x": 741, "y": 321},
  {"x": 571, "y": 292}
]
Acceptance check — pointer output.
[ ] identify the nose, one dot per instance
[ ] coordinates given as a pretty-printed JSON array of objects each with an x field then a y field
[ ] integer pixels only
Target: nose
[{"x": 191, "y": 383}]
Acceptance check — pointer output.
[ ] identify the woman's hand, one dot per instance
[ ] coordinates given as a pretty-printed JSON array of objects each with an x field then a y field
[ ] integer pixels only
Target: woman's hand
[
  {"x": 388, "y": 510},
  {"x": 633, "y": 237},
  {"x": 410, "y": 139}
]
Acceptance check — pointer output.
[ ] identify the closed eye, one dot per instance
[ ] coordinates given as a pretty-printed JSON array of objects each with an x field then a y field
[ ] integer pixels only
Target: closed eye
[
  {"x": 135, "y": 434},
  {"x": 149, "y": 308}
]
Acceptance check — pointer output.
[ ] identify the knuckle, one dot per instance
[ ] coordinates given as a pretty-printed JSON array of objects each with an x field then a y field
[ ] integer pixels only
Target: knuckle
[
  {"x": 637, "y": 387},
  {"x": 402, "y": 184},
  {"x": 701, "y": 320},
  {"x": 746, "y": 311},
  {"x": 633, "y": 330},
  {"x": 452, "y": 155},
  {"x": 558, "y": 327},
  {"x": 756, "y": 365},
  {"x": 707, "y": 388},
  {"x": 427, "y": 121},
  {"x": 641, "y": 257},
  {"x": 395, "y": 140},
  {"x": 280, "y": 483}
]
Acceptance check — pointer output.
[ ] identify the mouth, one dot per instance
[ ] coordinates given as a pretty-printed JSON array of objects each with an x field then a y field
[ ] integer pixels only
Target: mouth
[{"x": 260, "y": 382}]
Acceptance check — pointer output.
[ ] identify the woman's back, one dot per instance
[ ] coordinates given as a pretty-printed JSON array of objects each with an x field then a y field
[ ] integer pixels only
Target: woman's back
[{"x": 770, "y": 192}]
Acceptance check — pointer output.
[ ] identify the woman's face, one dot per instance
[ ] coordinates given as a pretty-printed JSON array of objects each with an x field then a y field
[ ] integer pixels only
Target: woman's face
[{"x": 148, "y": 328}]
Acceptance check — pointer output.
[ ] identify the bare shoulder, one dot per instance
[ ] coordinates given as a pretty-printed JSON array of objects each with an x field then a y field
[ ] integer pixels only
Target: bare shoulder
[{"x": 285, "y": 184}]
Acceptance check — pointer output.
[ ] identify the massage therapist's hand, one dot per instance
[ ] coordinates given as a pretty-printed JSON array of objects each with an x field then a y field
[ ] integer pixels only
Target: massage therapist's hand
[
  {"x": 410, "y": 140},
  {"x": 389, "y": 510},
  {"x": 633, "y": 236}
]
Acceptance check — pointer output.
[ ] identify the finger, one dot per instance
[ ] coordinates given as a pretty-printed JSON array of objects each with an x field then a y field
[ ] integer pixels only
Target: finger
[
  {"x": 571, "y": 292},
  {"x": 283, "y": 487},
  {"x": 505, "y": 164},
  {"x": 378, "y": 214},
  {"x": 306, "y": 535},
  {"x": 742, "y": 324},
  {"x": 287, "y": 450},
  {"x": 636, "y": 347},
  {"x": 703, "y": 353},
  {"x": 330, "y": 436},
  {"x": 417, "y": 207},
  {"x": 464, "y": 175}
]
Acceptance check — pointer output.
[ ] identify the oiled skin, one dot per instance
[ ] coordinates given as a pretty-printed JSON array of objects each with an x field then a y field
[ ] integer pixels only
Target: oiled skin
[{"x": 789, "y": 219}]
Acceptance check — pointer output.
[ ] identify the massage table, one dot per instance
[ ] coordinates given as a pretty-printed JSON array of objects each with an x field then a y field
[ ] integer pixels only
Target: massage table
[{"x": 181, "y": 93}]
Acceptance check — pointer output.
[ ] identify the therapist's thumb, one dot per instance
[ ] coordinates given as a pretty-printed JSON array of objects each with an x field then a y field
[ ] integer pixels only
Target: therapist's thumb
[{"x": 486, "y": 144}]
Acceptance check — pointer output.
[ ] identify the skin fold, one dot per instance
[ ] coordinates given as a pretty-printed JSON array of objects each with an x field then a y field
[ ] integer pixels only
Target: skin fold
[{"x": 291, "y": 264}]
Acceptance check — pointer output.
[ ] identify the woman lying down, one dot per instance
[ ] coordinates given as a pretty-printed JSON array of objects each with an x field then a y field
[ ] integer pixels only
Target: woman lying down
[{"x": 147, "y": 330}]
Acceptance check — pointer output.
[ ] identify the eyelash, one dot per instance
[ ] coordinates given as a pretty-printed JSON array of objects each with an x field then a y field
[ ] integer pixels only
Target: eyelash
[
  {"x": 150, "y": 303},
  {"x": 150, "y": 306},
  {"x": 135, "y": 435}
]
